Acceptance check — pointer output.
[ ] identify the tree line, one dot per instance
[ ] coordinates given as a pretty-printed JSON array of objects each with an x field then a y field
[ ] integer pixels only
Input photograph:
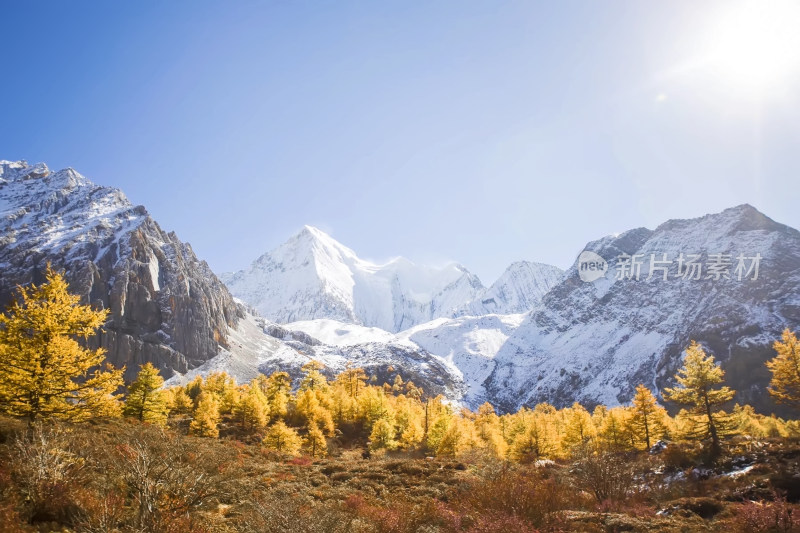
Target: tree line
[{"x": 46, "y": 373}]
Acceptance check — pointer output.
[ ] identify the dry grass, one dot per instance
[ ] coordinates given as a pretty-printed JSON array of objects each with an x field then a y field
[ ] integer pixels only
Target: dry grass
[{"x": 130, "y": 477}]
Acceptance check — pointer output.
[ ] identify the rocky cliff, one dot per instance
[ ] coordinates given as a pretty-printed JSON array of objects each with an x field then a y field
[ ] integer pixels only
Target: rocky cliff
[{"x": 166, "y": 306}]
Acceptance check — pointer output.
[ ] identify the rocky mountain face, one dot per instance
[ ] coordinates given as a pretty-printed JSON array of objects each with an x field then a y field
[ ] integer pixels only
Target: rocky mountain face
[
  {"x": 594, "y": 341},
  {"x": 312, "y": 276},
  {"x": 166, "y": 306}
]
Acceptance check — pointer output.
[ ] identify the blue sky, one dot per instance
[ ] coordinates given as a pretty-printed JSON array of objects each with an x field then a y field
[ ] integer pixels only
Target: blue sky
[{"x": 480, "y": 132}]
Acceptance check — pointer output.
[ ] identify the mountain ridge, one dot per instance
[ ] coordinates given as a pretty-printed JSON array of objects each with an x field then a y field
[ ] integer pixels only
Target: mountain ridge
[{"x": 312, "y": 276}]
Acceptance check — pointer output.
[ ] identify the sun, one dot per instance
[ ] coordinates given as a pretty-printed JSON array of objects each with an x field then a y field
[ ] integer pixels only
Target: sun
[{"x": 756, "y": 44}]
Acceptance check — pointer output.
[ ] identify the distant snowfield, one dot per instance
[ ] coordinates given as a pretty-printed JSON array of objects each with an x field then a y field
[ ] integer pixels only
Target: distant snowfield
[
  {"x": 338, "y": 333},
  {"x": 466, "y": 344}
]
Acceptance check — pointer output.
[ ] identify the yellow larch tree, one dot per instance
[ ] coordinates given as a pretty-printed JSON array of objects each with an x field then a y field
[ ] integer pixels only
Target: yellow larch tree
[
  {"x": 45, "y": 372},
  {"x": 785, "y": 367},
  {"x": 205, "y": 422},
  {"x": 146, "y": 401},
  {"x": 315, "y": 443},
  {"x": 252, "y": 411},
  {"x": 647, "y": 417},
  {"x": 382, "y": 435},
  {"x": 282, "y": 439},
  {"x": 697, "y": 380}
]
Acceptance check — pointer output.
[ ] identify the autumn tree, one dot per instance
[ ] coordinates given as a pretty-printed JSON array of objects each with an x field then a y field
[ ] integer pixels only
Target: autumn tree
[
  {"x": 697, "y": 379},
  {"x": 179, "y": 401},
  {"x": 315, "y": 443},
  {"x": 382, "y": 435},
  {"x": 282, "y": 439},
  {"x": 534, "y": 436},
  {"x": 437, "y": 430},
  {"x": 44, "y": 370},
  {"x": 252, "y": 411},
  {"x": 313, "y": 413},
  {"x": 579, "y": 428},
  {"x": 353, "y": 380},
  {"x": 613, "y": 433},
  {"x": 460, "y": 436},
  {"x": 313, "y": 378},
  {"x": 223, "y": 387},
  {"x": 487, "y": 424},
  {"x": 647, "y": 417},
  {"x": 277, "y": 390},
  {"x": 206, "y": 416},
  {"x": 785, "y": 368},
  {"x": 194, "y": 388},
  {"x": 146, "y": 401}
]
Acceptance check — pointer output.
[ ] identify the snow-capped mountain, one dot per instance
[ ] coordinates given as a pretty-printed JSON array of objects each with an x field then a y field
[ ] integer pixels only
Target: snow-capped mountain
[
  {"x": 313, "y": 276},
  {"x": 618, "y": 318},
  {"x": 518, "y": 290},
  {"x": 595, "y": 341},
  {"x": 166, "y": 306}
]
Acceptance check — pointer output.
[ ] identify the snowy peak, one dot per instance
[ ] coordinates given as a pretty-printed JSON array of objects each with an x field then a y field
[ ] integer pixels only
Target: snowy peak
[
  {"x": 591, "y": 340},
  {"x": 312, "y": 276},
  {"x": 730, "y": 221},
  {"x": 518, "y": 290},
  {"x": 59, "y": 210},
  {"x": 313, "y": 243}
]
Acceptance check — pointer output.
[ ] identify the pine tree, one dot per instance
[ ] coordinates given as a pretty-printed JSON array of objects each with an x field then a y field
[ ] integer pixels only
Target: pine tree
[
  {"x": 785, "y": 368},
  {"x": 206, "y": 416},
  {"x": 647, "y": 418},
  {"x": 282, "y": 439},
  {"x": 697, "y": 378},
  {"x": 194, "y": 388},
  {"x": 146, "y": 401},
  {"x": 44, "y": 370}
]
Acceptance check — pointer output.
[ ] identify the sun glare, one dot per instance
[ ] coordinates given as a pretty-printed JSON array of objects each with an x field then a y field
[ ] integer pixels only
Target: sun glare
[{"x": 756, "y": 45}]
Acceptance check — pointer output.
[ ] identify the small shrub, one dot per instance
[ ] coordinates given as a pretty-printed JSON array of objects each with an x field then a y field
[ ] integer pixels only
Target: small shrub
[
  {"x": 528, "y": 494},
  {"x": 768, "y": 517},
  {"x": 676, "y": 458},
  {"x": 609, "y": 476}
]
